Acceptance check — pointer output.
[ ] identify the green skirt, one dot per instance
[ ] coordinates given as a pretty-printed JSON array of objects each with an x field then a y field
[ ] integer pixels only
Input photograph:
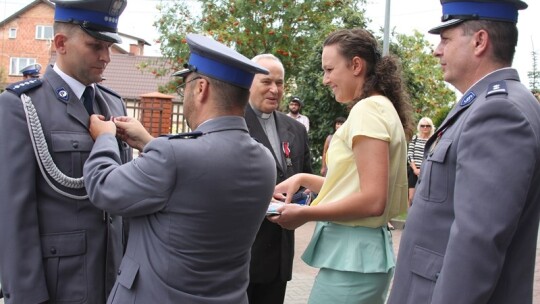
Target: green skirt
[
  {"x": 356, "y": 264},
  {"x": 348, "y": 248}
]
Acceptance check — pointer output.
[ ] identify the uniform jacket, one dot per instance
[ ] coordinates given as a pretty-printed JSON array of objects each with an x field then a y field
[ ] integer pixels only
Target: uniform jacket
[
  {"x": 471, "y": 233},
  {"x": 195, "y": 205},
  {"x": 53, "y": 248},
  {"x": 273, "y": 251}
]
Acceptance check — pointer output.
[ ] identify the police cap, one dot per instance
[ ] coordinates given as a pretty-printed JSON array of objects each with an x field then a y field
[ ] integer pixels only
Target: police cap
[
  {"x": 31, "y": 70},
  {"x": 213, "y": 59},
  {"x": 457, "y": 11},
  {"x": 98, "y": 18}
]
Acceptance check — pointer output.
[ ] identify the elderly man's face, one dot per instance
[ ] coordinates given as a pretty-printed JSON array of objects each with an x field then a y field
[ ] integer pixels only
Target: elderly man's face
[{"x": 266, "y": 91}]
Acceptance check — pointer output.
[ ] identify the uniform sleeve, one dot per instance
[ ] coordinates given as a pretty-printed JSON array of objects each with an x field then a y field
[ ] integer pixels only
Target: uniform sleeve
[
  {"x": 497, "y": 147},
  {"x": 139, "y": 187},
  {"x": 21, "y": 268}
]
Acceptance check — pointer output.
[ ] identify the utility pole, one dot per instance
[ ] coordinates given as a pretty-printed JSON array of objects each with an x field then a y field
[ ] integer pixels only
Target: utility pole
[{"x": 386, "y": 42}]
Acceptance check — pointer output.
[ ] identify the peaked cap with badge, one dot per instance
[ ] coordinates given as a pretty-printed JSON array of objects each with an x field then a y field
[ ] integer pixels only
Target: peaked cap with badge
[
  {"x": 31, "y": 70},
  {"x": 213, "y": 59},
  {"x": 456, "y": 11},
  {"x": 98, "y": 18}
]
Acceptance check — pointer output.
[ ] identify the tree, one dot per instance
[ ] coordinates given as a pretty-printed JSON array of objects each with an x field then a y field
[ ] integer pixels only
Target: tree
[
  {"x": 534, "y": 74},
  {"x": 430, "y": 96},
  {"x": 294, "y": 30},
  {"x": 288, "y": 29}
]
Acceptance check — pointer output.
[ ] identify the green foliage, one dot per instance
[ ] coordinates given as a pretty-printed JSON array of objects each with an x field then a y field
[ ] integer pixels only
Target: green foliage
[
  {"x": 428, "y": 93},
  {"x": 534, "y": 74},
  {"x": 294, "y": 32}
]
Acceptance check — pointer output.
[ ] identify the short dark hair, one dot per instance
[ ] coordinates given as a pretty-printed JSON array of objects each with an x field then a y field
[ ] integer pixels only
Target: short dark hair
[
  {"x": 503, "y": 35},
  {"x": 231, "y": 96},
  {"x": 340, "y": 120}
]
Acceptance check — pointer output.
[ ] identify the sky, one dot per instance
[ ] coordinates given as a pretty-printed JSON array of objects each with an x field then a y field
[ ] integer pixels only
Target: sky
[{"x": 405, "y": 16}]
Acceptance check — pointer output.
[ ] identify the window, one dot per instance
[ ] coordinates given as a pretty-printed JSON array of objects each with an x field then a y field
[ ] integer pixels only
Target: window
[
  {"x": 12, "y": 34},
  {"x": 44, "y": 32},
  {"x": 16, "y": 64}
]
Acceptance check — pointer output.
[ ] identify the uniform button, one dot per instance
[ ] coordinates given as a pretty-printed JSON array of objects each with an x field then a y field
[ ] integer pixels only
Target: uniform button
[
  {"x": 119, "y": 271},
  {"x": 110, "y": 219},
  {"x": 75, "y": 144},
  {"x": 53, "y": 250},
  {"x": 437, "y": 275}
]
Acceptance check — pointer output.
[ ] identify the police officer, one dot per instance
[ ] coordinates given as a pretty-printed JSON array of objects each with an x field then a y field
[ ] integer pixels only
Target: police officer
[
  {"x": 472, "y": 229},
  {"x": 195, "y": 200},
  {"x": 31, "y": 71},
  {"x": 56, "y": 246}
]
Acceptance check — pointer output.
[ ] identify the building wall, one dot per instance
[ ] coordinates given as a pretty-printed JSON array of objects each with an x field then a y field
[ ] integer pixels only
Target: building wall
[{"x": 25, "y": 44}]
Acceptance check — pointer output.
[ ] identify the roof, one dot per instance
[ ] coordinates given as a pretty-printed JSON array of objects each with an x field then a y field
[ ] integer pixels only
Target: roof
[
  {"x": 24, "y": 9},
  {"x": 132, "y": 76},
  {"x": 125, "y": 75}
]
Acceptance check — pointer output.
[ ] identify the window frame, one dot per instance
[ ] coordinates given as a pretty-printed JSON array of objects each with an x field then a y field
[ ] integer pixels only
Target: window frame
[
  {"x": 12, "y": 33},
  {"x": 16, "y": 64},
  {"x": 41, "y": 31}
]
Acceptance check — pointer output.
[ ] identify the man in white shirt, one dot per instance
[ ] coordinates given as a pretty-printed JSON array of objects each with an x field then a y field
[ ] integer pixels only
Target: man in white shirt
[{"x": 295, "y": 105}]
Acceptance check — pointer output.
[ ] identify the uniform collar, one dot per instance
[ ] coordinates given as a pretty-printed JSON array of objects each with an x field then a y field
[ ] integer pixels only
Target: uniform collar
[{"x": 75, "y": 85}]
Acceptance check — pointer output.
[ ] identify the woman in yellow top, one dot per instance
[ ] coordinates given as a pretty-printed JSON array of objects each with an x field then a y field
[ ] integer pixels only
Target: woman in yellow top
[{"x": 366, "y": 182}]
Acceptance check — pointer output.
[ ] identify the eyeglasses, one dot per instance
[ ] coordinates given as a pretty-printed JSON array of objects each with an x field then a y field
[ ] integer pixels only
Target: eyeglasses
[
  {"x": 180, "y": 89},
  {"x": 425, "y": 126}
]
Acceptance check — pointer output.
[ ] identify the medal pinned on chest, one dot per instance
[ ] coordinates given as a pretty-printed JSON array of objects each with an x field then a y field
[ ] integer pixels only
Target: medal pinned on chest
[{"x": 287, "y": 152}]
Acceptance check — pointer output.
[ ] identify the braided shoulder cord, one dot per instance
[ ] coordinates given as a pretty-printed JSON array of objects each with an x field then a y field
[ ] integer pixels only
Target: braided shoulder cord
[{"x": 44, "y": 158}]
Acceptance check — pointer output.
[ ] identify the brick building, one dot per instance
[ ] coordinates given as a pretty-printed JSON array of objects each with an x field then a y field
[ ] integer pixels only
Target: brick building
[{"x": 26, "y": 38}]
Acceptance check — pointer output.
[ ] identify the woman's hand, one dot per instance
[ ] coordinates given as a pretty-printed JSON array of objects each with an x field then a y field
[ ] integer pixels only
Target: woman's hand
[
  {"x": 292, "y": 216},
  {"x": 417, "y": 172},
  {"x": 285, "y": 190}
]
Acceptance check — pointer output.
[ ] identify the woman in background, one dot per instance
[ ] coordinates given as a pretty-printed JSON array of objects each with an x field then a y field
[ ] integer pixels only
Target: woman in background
[
  {"x": 415, "y": 152},
  {"x": 366, "y": 182}
]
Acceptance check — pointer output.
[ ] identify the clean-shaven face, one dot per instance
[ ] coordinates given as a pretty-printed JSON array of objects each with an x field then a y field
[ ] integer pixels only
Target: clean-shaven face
[{"x": 266, "y": 91}]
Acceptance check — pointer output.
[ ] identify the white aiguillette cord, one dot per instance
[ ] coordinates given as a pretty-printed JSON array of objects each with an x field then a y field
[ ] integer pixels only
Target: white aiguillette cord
[{"x": 44, "y": 158}]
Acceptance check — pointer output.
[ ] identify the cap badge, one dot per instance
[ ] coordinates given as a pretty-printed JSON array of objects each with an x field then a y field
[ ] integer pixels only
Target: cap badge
[{"x": 116, "y": 7}]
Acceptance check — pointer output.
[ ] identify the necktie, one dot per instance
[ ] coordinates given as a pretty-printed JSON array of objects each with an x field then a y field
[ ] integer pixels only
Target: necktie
[{"x": 88, "y": 99}]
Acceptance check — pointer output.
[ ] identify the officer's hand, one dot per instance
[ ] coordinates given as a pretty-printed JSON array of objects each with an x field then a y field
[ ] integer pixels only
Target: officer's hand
[
  {"x": 132, "y": 132},
  {"x": 98, "y": 126}
]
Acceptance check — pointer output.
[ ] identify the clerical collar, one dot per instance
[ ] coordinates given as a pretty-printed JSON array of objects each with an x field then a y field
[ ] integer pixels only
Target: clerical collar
[{"x": 261, "y": 114}]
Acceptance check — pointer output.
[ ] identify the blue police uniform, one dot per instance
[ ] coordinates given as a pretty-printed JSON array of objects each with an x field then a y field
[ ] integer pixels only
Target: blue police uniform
[
  {"x": 472, "y": 229},
  {"x": 56, "y": 246},
  {"x": 195, "y": 200}
]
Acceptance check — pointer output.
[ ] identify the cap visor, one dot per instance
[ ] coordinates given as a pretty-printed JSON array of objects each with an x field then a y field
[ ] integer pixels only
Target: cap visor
[
  {"x": 446, "y": 24},
  {"x": 105, "y": 36},
  {"x": 182, "y": 73}
]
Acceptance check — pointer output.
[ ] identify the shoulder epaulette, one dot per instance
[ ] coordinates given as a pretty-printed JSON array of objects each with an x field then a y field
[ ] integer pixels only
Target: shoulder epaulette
[
  {"x": 495, "y": 88},
  {"x": 18, "y": 88},
  {"x": 108, "y": 90},
  {"x": 187, "y": 135}
]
